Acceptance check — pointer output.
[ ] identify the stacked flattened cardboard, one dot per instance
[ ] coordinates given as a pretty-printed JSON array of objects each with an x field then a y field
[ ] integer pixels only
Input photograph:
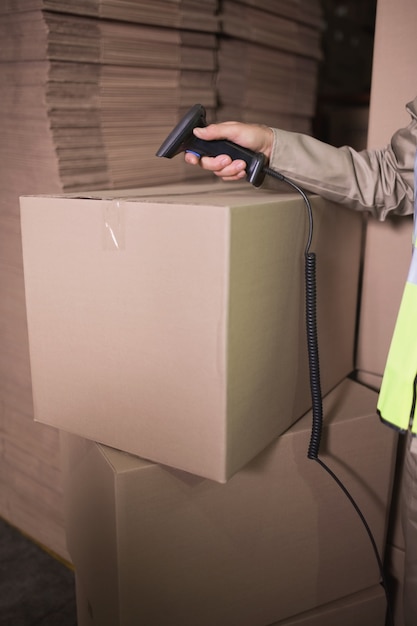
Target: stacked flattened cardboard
[
  {"x": 185, "y": 14},
  {"x": 88, "y": 91},
  {"x": 30, "y": 488},
  {"x": 111, "y": 89},
  {"x": 269, "y": 55}
]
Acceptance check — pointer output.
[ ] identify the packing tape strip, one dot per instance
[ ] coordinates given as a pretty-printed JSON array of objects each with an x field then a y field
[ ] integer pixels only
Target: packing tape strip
[{"x": 114, "y": 226}]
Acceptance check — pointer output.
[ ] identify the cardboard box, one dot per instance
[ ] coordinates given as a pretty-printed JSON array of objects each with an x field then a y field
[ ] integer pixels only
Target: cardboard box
[
  {"x": 365, "y": 608},
  {"x": 156, "y": 546},
  {"x": 388, "y": 245},
  {"x": 386, "y": 263},
  {"x": 169, "y": 323}
]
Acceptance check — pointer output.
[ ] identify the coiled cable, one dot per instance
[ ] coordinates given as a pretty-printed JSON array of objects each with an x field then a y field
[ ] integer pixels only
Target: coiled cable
[{"x": 315, "y": 382}]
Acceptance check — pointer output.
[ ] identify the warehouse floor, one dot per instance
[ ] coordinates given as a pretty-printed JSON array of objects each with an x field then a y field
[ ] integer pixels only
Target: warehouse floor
[{"x": 35, "y": 588}]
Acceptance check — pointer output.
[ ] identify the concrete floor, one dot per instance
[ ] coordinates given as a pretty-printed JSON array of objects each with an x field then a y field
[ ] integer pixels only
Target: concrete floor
[{"x": 35, "y": 588}]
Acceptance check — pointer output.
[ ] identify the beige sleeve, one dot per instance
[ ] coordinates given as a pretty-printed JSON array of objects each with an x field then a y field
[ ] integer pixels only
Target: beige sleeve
[{"x": 378, "y": 181}]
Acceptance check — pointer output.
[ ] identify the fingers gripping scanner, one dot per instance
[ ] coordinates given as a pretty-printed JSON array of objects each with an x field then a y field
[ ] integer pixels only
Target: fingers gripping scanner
[{"x": 182, "y": 139}]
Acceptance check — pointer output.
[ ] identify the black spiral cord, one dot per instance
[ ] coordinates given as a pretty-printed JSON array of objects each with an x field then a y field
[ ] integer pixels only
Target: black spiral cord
[{"x": 315, "y": 384}]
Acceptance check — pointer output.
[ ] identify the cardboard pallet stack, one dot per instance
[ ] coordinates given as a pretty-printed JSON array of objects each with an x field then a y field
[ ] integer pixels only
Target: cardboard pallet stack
[
  {"x": 170, "y": 351},
  {"x": 269, "y": 55}
]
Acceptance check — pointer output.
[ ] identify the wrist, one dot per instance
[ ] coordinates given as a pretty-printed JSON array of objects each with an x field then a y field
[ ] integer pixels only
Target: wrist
[{"x": 269, "y": 142}]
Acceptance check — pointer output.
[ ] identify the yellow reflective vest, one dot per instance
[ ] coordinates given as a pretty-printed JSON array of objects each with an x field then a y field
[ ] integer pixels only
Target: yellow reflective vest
[{"x": 397, "y": 396}]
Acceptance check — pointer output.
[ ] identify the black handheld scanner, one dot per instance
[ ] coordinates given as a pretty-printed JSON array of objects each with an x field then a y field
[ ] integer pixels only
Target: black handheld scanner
[{"x": 182, "y": 139}]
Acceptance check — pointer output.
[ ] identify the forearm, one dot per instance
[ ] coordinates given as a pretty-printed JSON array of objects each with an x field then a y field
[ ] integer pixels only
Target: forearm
[{"x": 378, "y": 181}]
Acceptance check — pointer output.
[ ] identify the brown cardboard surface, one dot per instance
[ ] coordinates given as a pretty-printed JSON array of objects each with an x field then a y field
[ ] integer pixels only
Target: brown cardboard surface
[
  {"x": 387, "y": 258},
  {"x": 157, "y": 546},
  {"x": 365, "y": 608},
  {"x": 392, "y": 68},
  {"x": 388, "y": 245},
  {"x": 169, "y": 322}
]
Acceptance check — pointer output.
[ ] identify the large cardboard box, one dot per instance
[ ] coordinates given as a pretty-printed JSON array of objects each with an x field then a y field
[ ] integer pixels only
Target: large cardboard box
[
  {"x": 156, "y": 546},
  {"x": 365, "y": 608},
  {"x": 169, "y": 323}
]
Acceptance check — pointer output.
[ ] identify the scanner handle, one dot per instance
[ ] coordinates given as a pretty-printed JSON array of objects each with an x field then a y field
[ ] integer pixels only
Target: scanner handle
[{"x": 255, "y": 161}]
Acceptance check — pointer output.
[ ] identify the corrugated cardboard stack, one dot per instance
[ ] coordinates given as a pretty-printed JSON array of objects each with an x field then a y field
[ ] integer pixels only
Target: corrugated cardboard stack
[
  {"x": 31, "y": 492},
  {"x": 269, "y": 55},
  {"x": 176, "y": 333},
  {"x": 84, "y": 102},
  {"x": 111, "y": 89}
]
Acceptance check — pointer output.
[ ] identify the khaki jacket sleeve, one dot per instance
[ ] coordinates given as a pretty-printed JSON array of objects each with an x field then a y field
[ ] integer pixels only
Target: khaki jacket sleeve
[{"x": 378, "y": 181}]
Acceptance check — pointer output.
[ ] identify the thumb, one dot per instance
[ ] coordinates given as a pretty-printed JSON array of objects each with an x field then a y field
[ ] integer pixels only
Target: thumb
[{"x": 212, "y": 131}]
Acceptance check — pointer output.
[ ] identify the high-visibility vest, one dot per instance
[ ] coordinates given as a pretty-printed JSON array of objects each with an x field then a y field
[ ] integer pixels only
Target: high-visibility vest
[{"x": 398, "y": 394}]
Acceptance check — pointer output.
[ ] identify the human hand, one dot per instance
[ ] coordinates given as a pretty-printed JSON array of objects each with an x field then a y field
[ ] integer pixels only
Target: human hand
[{"x": 255, "y": 137}]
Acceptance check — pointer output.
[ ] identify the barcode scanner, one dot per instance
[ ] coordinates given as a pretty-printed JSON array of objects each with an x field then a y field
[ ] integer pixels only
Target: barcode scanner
[{"x": 182, "y": 139}]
